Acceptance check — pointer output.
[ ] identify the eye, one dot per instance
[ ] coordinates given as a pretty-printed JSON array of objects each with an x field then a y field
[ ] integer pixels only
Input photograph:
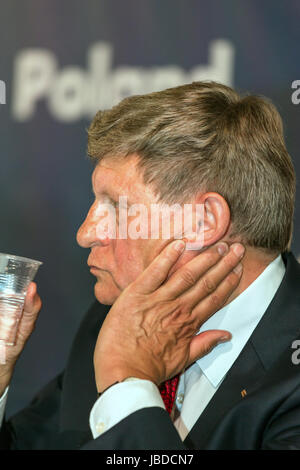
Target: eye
[
  {"x": 114, "y": 203},
  {"x": 104, "y": 199}
]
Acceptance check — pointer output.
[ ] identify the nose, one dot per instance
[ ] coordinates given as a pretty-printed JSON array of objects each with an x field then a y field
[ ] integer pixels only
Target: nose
[{"x": 88, "y": 233}]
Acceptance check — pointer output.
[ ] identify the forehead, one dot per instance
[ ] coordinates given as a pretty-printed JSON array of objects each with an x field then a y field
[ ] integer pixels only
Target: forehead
[{"x": 121, "y": 177}]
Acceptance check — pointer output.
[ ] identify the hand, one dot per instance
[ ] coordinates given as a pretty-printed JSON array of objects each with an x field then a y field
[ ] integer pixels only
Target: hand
[
  {"x": 31, "y": 309},
  {"x": 150, "y": 330}
]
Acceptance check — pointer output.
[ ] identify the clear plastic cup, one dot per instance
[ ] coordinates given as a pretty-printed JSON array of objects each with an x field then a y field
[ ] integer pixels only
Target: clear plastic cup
[{"x": 16, "y": 273}]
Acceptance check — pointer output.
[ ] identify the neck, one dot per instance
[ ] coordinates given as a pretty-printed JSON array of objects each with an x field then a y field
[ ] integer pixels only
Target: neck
[{"x": 254, "y": 263}]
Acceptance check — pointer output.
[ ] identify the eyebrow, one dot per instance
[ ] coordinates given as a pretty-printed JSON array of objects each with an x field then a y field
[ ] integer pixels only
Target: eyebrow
[
  {"x": 110, "y": 196},
  {"x": 113, "y": 198},
  {"x": 105, "y": 193}
]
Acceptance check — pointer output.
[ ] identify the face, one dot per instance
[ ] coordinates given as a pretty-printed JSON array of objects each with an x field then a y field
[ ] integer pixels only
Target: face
[
  {"x": 115, "y": 262},
  {"x": 118, "y": 257}
]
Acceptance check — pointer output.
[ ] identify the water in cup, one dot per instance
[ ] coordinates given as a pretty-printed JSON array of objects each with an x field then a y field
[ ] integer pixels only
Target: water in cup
[
  {"x": 11, "y": 306},
  {"x": 16, "y": 273}
]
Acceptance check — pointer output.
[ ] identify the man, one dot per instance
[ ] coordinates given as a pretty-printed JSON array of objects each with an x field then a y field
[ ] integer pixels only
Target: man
[{"x": 204, "y": 145}]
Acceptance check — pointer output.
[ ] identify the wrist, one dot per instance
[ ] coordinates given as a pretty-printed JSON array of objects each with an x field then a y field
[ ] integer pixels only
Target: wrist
[
  {"x": 107, "y": 388},
  {"x": 108, "y": 381},
  {"x": 115, "y": 383}
]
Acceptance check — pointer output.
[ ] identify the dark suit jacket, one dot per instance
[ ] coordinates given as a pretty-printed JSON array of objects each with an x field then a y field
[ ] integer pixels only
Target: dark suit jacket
[{"x": 268, "y": 417}]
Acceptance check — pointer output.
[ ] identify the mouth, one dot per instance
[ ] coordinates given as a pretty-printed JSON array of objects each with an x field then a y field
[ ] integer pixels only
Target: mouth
[{"x": 94, "y": 269}]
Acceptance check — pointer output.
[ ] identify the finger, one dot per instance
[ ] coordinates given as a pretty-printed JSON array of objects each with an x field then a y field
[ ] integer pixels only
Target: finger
[
  {"x": 205, "y": 342},
  {"x": 216, "y": 300},
  {"x": 209, "y": 282},
  {"x": 157, "y": 271},
  {"x": 30, "y": 297},
  {"x": 32, "y": 301},
  {"x": 30, "y": 314},
  {"x": 188, "y": 274}
]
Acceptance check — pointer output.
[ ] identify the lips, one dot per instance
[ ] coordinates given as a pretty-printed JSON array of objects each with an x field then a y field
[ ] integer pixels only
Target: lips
[
  {"x": 91, "y": 264},
  {"x": 93, "y": 267},
  {"x": 95, "y": 270}
]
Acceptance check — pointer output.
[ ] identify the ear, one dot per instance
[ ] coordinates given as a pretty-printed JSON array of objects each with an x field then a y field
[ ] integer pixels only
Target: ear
[{"x": 213, "y": 220}]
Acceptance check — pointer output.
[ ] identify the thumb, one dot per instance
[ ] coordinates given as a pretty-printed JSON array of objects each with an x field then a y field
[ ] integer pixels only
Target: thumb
[
  {"x": 32, "y": 300},
  {"x": 31, "y": 310},
  {"x": 205, "y": 342}
]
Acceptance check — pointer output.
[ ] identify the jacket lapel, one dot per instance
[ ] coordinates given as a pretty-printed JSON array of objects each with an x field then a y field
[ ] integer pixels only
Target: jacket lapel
[
  {"x": 274, "y": 333},
  {"x": 243, "y": 375}
]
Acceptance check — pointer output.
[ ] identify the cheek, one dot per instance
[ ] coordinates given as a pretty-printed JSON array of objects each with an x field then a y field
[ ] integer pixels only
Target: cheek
[{"x": 128, "y": 260}]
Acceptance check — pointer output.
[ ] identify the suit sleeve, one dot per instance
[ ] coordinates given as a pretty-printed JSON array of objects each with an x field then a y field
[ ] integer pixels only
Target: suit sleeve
[
  {"x": 121, "y": 400},
  {"x": 36, "y": 426},
  {"x": 146, "y": 429}
]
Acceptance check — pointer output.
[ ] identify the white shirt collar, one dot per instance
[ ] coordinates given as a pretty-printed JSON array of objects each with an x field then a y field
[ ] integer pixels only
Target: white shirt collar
[{"x": 240, "y": 317}]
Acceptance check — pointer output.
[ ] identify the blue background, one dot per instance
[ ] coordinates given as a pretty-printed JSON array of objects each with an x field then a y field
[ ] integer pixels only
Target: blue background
[{"x": 45, "y": 175}]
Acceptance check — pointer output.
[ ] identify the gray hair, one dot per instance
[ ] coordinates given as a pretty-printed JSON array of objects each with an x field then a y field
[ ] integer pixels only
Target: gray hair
[{"x": 204, "y": 137}]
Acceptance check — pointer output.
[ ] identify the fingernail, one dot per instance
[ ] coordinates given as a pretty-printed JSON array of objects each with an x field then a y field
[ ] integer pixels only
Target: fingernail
[
  {"x": 238, "y": 269},
  {"x": 222, "y": 249},
  {"x": 224, "y": 339},
  {"x": 238, "y": 250},
  {"x": 179, "y": 246}
]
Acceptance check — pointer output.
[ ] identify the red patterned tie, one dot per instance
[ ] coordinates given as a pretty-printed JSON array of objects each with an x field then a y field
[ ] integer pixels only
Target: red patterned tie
[{"x": 168, "y": 392}]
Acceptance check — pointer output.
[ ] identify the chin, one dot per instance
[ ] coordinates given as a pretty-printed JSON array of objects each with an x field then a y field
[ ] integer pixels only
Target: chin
[{"x": 106, "y": 295}]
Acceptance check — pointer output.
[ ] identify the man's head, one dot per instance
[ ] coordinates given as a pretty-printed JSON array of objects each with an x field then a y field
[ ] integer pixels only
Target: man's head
[{"x": 198, "y": 143}]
